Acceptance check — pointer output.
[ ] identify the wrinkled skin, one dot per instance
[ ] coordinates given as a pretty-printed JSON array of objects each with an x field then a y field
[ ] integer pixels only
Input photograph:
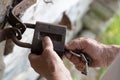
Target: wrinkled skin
[
  {"x": 49, "y": 64},
  {"x": 102, "y": 55}
]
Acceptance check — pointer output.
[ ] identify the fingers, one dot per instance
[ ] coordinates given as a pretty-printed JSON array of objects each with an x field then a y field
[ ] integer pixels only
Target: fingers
[
  {"x": 77, "y": 61},
  {"x": 72, "y": 45},
  {"x": 74, "y": 59},
  {"x": 47, "y": 43},
  {"x": 48, "y": 50},
  {"x": 81, "y": 66},
  {"x": 76, "y": 44},
  {"x": 47, "y": 46}
]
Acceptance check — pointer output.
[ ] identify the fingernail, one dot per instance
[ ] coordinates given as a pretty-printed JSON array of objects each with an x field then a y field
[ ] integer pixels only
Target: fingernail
[{"x": 68, "y": 55}]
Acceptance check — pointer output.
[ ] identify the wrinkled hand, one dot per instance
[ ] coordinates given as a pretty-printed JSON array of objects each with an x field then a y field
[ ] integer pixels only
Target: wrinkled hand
[
  {"x": 91, "y": 47},
  {"x": 49, "y": 64}
]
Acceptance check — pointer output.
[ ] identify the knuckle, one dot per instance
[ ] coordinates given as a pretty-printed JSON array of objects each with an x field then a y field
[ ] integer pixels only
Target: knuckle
[
  {"x": 83, "y": 39},
  {"x": 47, "y": 50}
]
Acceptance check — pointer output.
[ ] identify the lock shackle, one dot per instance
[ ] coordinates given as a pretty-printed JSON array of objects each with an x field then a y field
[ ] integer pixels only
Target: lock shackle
[
  {"x": 23, "y": 44},
  {"x": 19, "y": 43}
]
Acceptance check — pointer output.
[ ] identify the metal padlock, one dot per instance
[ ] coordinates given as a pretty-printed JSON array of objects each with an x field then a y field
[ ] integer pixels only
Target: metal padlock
[{"x": 57, "y": 33}]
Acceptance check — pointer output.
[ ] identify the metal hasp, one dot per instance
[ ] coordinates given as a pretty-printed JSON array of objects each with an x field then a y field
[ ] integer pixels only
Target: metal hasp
[{"x": 57, "y": 33}]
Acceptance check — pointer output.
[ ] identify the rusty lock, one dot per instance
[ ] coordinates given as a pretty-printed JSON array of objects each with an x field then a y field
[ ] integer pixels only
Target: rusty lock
[{"x": 57, "y": 33}]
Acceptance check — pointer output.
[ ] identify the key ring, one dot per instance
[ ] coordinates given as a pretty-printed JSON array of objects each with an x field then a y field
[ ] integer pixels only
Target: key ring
[{"x": 84, "y": 56}]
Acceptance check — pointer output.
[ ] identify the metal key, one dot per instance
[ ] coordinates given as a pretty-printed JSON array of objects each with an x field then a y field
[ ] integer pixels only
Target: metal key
[{"x": 84, "y": 56}]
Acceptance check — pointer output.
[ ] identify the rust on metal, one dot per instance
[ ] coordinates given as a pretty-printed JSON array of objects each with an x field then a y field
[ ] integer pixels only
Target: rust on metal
[
  {"x": 18, "y": 7},
  {"x": 66, "y": 21},
  {"x": 57, "y": 33}
]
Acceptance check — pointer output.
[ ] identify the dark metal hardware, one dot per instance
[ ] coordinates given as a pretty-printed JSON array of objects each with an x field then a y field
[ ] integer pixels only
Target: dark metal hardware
[
  {"x": 86, "y": 58},
  {"x": 15, "y": 22},
  {"x": 8, "y": 33},
  {"x": 56, "y": 32},
  {"x": 14, "y": 10}
]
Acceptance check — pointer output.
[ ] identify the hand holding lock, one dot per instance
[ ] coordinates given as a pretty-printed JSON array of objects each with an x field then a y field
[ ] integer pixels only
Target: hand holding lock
[{"x": 93, "y": 51}]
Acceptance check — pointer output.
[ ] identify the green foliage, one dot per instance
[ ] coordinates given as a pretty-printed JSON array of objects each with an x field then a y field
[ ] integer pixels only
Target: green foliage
[
  {"x": 102, "y": 70},
  {"x": 75, "y": 78},
  {"x": 112, "y": 34}
]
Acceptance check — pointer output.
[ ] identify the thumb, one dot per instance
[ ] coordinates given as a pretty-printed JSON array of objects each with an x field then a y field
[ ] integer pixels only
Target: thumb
[
  {"x": 68, "y": 55},
  {"x": 32, "y": 56},
  {"x": 47, "y": 43}
]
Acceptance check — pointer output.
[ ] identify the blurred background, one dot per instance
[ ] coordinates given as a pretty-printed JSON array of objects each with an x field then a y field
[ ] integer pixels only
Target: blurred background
[{"x": 97, "y": 19}]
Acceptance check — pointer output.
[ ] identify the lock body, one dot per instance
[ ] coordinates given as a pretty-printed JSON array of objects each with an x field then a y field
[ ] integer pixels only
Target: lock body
[{"x": 57, "y": 33}]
